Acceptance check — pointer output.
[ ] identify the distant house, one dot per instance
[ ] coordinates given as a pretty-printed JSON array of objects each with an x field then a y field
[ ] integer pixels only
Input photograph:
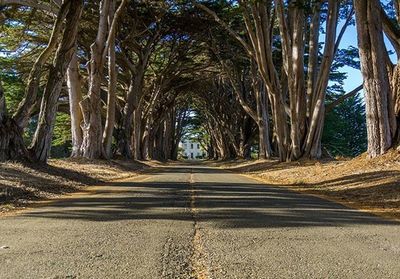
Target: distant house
[{"x": 191, "y": 150}]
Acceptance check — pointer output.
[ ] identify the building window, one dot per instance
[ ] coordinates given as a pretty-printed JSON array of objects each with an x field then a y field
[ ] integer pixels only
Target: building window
[
  {"x": 191, "y": 155},
  {"x": 191, "y": 145},
  {"x": 198, "y": 146}
]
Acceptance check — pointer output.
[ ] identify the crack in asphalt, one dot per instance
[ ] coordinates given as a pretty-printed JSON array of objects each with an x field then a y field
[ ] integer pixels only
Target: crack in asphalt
[
  {"x": 199, "y": 259},
  {"x": 166, "y": 254}
]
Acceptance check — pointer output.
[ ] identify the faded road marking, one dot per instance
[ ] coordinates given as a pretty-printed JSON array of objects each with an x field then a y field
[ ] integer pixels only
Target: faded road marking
[{"x": 199, "y": 260}]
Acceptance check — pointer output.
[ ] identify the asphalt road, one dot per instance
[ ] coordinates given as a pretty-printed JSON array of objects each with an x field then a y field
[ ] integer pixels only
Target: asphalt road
[{"x": 197, "y": 222}]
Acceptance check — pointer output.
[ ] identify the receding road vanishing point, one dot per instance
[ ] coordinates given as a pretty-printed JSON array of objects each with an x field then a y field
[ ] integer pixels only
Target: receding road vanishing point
[{"x": 183, "y": 221}]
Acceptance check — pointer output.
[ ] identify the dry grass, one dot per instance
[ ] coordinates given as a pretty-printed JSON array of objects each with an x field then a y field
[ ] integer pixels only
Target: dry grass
[
  {"x": 22, "y": 183},
  {"x": 369, "y": 184}
]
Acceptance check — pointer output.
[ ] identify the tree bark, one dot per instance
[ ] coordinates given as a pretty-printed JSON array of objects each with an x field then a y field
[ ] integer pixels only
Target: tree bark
[
  {"x": 75, "y": 97},
  {"x": 131, "y": 113},
  {"x": 312, "y": 147},
  {"x": 112, "y": 86},
  {"x": 25, "y": 107},
  {"x": 293, "y": 65},
  {"x": 262, "y": 121},
  {"x": 41, "y": 143},
  {"x": 137, "y": 133},
  {"x": 11, "y": 142},
  {"x": 92, "y": 144},
  {"x": 376, "y": 80},
  {"x": 312, "y": 67}
]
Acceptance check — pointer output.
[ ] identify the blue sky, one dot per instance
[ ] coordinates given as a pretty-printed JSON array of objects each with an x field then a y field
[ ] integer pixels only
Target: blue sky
[{"x": 354, "y": 77}]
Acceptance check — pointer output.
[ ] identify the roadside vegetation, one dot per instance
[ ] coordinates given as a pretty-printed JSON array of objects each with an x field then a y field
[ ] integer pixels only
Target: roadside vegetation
[
  {"x": 22, "y": 184},
  {"x": 371, "y": 185}
]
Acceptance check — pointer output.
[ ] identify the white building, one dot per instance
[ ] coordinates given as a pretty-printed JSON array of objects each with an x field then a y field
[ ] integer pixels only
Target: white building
[{"x": 191, "y": 150}]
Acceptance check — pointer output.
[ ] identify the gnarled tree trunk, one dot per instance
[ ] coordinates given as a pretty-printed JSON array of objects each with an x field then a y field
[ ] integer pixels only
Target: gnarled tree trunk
[
  {"x": 376, "y": 80},
  {"x": 41, "y": 143},
  {"x": 24, "y": 110},
  {"x": 11, "y": 141},
  {"x": 92, "y": 144}
]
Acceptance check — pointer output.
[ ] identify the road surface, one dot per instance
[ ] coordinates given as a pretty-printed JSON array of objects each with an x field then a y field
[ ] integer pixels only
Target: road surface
[{"x": 197, "y": 222}]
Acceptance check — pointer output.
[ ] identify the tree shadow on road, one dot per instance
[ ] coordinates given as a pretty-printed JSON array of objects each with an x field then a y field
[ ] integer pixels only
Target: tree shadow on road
[{"x": 239, "y": 204}]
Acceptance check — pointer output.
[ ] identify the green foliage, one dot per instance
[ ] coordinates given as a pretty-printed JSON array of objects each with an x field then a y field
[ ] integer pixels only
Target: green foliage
[
  {"x": 24, "y": 32},
  {"x": 62, "y": 129},
  {"x": 12, "y": 84},
  {"x": 30, "y": 130},
  {"x": 61, "y": 144},
  {"x": 195, "y": 131},
  {"x": 345, "y": 132}
]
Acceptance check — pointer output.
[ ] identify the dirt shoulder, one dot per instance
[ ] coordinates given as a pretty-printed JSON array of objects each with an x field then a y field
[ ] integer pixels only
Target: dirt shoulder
[
  {"x": 22, "y": 184},
  {"x": 372, "y": 185}
]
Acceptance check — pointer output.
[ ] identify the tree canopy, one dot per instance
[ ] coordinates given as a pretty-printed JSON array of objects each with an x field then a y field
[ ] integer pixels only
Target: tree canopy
[{"x": 131, "y": 78}]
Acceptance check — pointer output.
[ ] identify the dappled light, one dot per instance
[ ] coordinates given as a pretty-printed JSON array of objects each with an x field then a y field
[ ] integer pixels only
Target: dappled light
[
  {"x": 199, "y": 139},
  {"x": 230, "y": 204}
]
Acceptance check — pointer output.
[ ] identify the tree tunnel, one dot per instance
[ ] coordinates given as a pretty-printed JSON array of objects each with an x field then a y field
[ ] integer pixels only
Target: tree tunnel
[{"x": 129, "y": 77}]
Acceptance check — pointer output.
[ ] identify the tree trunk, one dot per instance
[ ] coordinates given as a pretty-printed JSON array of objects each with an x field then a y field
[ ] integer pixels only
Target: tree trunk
[
  {"x": 126, "y": 144},
  {"x": 75, "y": 96},
  {"x": 137, "y": 132},
  {"x": 12, "y": 145},
  {"x": 112, "y": 86},
  {"x": 92, "y": 146},
  {"x": 291, "y": 30},
  {"x": 263, "y": 122},
  {"x": 280, "y": 125},
  {"x": 313, "y": 46},
  {"x": 3, "y": 106},
  {"x": 376, "y": 80},
  {"x": 146, "y": 144},
  {"x": 41, "y": 143},
  {"x": 312, "y": 145},
  {"x": 24, "y": 110}
]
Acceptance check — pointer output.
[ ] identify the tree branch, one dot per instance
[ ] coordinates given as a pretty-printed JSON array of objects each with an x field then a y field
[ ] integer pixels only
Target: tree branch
[
  {"x": 225, "y": 26},
  {"x": 113, "y": 27},
  {"x": 391, "y": 31},
  {"x": 33, "y": 4},
  {"x": 342, "y": 98}
]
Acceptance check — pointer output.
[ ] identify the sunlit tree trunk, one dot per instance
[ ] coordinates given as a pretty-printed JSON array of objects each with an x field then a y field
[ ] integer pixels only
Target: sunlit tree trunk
[
  {"x": 75, "y": 96},
  {"x": 11, "y": 128},
  {"x": 312, "y": 147},
  {"x": 41, "y": 143},
  {"x": 112, "y": 86},
  {"x": 376, "y": 81},
  {"x": 92, "y": 144},
  {"x": 24, "y": 110},
  {"x": 291, "y": 26}
]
